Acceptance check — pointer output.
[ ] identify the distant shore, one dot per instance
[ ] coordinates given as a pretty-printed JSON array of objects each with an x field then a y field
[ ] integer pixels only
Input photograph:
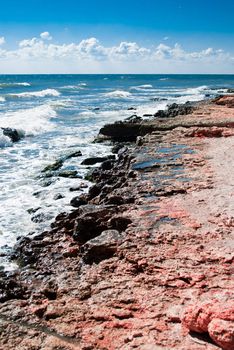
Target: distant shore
[{"x": 141, "y": 253}]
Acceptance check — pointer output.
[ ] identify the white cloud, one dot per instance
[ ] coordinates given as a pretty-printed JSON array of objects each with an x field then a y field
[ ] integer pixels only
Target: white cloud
[
  {"x": 42, "y": 54},
  {"x": 2, "y": 40},
  {"x": 46, "y": 36}
]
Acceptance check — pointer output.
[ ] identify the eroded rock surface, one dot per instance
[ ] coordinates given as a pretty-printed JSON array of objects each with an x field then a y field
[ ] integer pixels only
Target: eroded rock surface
[{"x": 147, "y": 263}]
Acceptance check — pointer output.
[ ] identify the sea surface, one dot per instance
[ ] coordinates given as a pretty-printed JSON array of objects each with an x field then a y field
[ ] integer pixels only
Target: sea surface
[{"x": 61, "y": 114}]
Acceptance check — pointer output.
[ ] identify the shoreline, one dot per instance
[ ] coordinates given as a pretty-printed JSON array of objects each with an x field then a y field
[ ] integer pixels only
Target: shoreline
[{"x": 119, "y": 271}]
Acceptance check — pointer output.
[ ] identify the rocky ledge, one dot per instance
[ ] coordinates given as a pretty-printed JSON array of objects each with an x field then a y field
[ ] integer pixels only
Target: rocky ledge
[{"x": 145, "y": 261}]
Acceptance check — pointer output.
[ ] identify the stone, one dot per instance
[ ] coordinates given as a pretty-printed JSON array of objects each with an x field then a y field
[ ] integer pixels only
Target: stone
[
  {"x": 13, "y": 134},
  {"x": 78, "y": 201},
  {"x": 73, "y": 174},
  {"x": 222, "y": 333},
  {"x": 102, "y": 247}
]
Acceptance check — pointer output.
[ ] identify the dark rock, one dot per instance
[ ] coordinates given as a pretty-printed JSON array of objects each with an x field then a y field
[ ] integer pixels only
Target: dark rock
[
  {"x": 33, "y": 210},
  {"x": 147, "y": 115},
  {"x": 131, "y": 108},
  {"x": 92, "y": 221},
  {"x": 93, "y": 160},
  {"x": 107, "y": 165},
  {"x": 120, "y": 223},
  {"x": 40, "y": 217},
  {"x": 133, "y": 119},
  {"x": 13, "y": 134},
  {"x": 73, "y": 174},
  {"x": 76, "y": 202},
  {"x": 115, "y": 149},
  {"x": 10, "y": 287},
  {"x": 117, "y": 200},
  {"x": 102, "y": 247},
  {"x": 58, "y": 196},
  {"x": 73, "y": 155},
  {"x": 123, "y": 131},
  {"x": 175, "y": 109},
  {"x": 53, "y": 167},
  {"x": 230, "y": 91}
]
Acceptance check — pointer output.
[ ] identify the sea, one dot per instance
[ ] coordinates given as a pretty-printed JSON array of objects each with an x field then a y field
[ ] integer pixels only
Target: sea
[{"x": 57, "y": 115}]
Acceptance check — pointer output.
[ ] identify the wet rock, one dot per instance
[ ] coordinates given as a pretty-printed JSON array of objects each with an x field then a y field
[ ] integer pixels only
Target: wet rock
[
  {"x": 102, "y": 247},
  {"x": 120, "y": 223},
  {"x": 72, "y": 174},
  {"x": 107, "y": 165},
  {"x": 123, "y": 131},
  {"x": 73, "y": 155},
  {"x": 131, "y": 108},
  {"x": 133, "y": 119},
  {"x": 10, "y": 288},
  {"x": 94, "y": 160},
  {"x": 78, "y": 201},
  {"x": 53, "y": 167},
  {"x": 174, "y": 110},
  {"x": 13, "y": 134},
  {"x": 58, "y": 196}
]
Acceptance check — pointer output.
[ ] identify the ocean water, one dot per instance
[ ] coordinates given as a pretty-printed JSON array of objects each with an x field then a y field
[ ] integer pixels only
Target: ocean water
[{"x": 60, "y": 114}]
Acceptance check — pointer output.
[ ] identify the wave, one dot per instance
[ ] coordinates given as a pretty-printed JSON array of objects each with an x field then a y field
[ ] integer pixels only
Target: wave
[
  {"x": 2, "y": 99},
  {"x": 163, "y": 79},
  {"x": 29, "y": 122},
  {"x": 142, "y": 87},
  {"x": 4, "y": 140},
  {"x": 14, "y": 84},
  {"x": 196, "y": 91},
  {"x": 118, "y": 94},
  {"x": 75, "y": 87},
  {"x": 42, "y": 93}
]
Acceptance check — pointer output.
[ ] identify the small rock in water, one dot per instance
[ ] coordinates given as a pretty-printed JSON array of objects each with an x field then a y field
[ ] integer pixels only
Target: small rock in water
[
  {"x": 58, "y": 196},
  {"x": 73, "y": 155},
  {"x": 13, "y": 134},
  {"x": 93, "y": 160},
  {"x": 73, "y": 174},
  {"x": 52, "y": 167}
]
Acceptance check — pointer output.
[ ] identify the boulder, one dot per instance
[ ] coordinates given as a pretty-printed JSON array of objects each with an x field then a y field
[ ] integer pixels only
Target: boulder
[
  {"x": 13, "y": 134},
  {"x": 102, "y": 247}
]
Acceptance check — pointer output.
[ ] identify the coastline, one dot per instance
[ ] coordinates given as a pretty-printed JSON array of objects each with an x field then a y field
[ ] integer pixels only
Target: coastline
[{"x": 152, "y": 237}]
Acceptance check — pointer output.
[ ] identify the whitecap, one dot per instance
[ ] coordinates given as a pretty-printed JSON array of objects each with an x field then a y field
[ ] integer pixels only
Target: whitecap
[
  {"x": 118, "y": 94},
  {"x": 14, "y": 84},
  {"x": 2, "y": 99},
  {"x": 196, "y": 91},
  {"x": 42, "y": 93},
  {"x": 164, "y": 79},
  {"x": 30, "y": 121}
]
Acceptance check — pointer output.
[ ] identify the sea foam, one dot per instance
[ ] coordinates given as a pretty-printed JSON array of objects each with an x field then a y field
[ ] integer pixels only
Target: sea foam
[
  {"x": 29, "y": 122},
  {"x": 42, "y": 93},
  {"x": 118, "y": 94}
]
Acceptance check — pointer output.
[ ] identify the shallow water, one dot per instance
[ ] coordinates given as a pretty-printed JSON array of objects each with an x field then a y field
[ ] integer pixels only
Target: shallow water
[{"x": 59, "y": 114}]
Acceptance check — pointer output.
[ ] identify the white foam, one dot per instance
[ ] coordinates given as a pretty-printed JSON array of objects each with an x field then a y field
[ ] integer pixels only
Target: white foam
[
  {"x": 29, "y": 121},
  {"x": 42, "y": 93},
  {"x": 196, "y": 91},
  {"x": 14, "y": 84},
  {"x": 2, "y": 99},
  {"x": 80, "y": 86},
  {"x": 4, "y": 140},
  {"x": 118, "y": 94},
  {"x": 164, "y": 79}
]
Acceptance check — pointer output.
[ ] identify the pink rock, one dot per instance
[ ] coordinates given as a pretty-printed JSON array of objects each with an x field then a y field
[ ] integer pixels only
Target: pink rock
[
  {"x": 222, "y": 332},
  {"x": 197, "y": 318}
]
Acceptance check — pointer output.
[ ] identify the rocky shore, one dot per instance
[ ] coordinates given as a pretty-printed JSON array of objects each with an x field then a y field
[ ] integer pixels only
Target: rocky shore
[{"x": 145, "y": 259}]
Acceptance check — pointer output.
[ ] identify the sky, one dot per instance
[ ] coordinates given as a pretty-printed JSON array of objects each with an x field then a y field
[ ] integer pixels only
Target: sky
[{"x": 118, "y": 36}]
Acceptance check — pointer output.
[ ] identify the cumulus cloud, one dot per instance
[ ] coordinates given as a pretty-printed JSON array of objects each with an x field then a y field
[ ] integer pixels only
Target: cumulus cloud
[
  {"x": 46, "y": 36},
  {"x": 2, "y": 40},
  {"x": 42, "y": 49}
]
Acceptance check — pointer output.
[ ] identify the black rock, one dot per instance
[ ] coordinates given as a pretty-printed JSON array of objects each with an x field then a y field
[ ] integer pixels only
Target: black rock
[
  {"x": 93, "y": 160},
  {"x": 13, "y": 134},
  {"x": 76, "y": 202}
]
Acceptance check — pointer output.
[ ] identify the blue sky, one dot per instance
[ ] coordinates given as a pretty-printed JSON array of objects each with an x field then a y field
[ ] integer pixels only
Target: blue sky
[{"x": 168, "y": 36}]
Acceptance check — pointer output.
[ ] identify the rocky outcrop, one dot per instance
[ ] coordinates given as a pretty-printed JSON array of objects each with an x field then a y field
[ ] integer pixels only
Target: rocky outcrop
[{"x": 145, "y": 261}]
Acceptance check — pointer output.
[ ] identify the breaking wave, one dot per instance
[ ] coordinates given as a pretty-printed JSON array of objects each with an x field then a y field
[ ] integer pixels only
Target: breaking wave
[
  {"x": 118, "y": 94},
  {"x": 42, "y": 93},
  {"x": 29, "y": 122}
]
